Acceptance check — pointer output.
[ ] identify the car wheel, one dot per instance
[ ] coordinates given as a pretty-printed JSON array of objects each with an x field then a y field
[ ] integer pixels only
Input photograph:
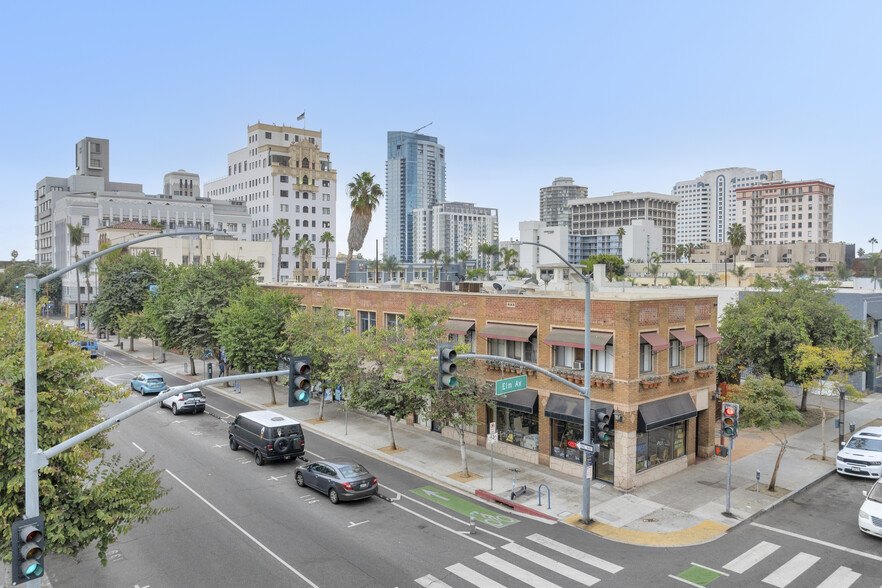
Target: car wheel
[
  {"x": 332, "y": 494},
  {"x": 233, "y": 445},
  {"x": 175, "y": 408},
  {"x": 141, "y": 391},
  {"x": 258, "y": 458},
  {"x": 299, "y": 479}
]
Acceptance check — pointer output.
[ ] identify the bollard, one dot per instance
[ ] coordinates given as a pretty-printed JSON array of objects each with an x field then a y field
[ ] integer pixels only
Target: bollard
[{"x": 472, "y": 523}]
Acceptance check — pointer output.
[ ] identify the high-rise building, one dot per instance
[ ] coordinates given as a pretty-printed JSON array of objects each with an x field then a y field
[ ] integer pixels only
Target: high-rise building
[
  {"x": 452, "y": 227},
  {"x": 415, "y": 178},
  {"x": 554, "y": 201},
  {"x": 708, "y": 203},
  {"x": 786, "y": 212},
  {"x": 599, "y": 215},
  {"x": 283, "y": 174}
]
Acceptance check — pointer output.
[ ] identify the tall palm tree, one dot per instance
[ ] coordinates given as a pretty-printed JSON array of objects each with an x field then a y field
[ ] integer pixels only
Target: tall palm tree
[
  {"x": 389, "y": 265},
  {"x": 463, "y": 256},
  {"x": 860, "y": 252},
  {"x": 872, "y": 242},
  {"x": 75, "y": 234},
  {"x": 842, "y": 272},
  {"x": 680, "y": 251},
  {"x": 508, "y": 255},
  {"x": 737, "y": 237},
  {"x": 690, "y": 249},
  {"x": 446, "y": 259},
  {"x": 621, "y": 233},
  {"x": 281, "y": 229},
  {"x": 13, "y": 255},
  {"x": 740, "y": 272},
  {"x": 875, "y": 263},
  {"x": 432, "y": 255},
  {"x": 488, "y": 250},
  {"x": 326, "y": 239},
  {"x": 654, "y": 266},
  {"x": 685, "y": 276},
  {"x": 304, "y": 248},
  {"x": 364, "y": 197}
]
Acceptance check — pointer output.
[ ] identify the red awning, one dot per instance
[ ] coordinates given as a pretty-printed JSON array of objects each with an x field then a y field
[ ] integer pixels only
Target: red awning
[
  {"x": 711, "y": 335},
  {"x": 508, "y": 332},
  {"x": 658, "y": 342},
  {"x": 684, "y": 338},
  {"x": 573, "y": 338},
  {"x": 459, "y": 327}
]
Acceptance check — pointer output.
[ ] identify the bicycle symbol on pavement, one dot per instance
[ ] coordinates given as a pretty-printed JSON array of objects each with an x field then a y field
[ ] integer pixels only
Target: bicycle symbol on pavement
[{"x": 494, "y": 520}]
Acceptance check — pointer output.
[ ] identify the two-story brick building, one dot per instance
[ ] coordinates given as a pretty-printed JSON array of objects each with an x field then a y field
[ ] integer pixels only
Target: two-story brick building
[{"x": 653, "y": 357}]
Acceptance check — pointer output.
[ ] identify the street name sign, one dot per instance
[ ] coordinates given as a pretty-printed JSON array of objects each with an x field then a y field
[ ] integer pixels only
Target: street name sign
[
  {"x": 587, "y": 448},
  {"x": 511, "y": 385}
]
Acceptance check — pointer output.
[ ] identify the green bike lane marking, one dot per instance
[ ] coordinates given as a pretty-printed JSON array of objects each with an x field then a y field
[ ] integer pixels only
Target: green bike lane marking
[
  {"x": 698, "y": 575},
  {"x": 464, "y": 507}
]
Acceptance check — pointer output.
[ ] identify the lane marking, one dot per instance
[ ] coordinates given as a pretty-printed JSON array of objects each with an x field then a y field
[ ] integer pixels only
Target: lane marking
[
  {"x": 841, "y": 578},
  {"x": 515, "y": 571},
  {"x": 315, "y": 454},
  {"x": 243, "y": 531},
  {"x": 692, "y": 563},
  {"x": 463, "y": 534},
  {"x": 790, "y": 571},
  {"x": 576, "y": 554},
  {"x": 211, "y": 406},
  {"x": 351, "y": 524},
  {"x": 473, "y": 577},
  {"x": 430, "y": 581},
  {"x": 553, "y": 565},
  {"x": 139, "y": 449},
  {"x": 820, "y": 542},
  {"x": 686, "y": 581},
  {"x": 751, "y": 557}
]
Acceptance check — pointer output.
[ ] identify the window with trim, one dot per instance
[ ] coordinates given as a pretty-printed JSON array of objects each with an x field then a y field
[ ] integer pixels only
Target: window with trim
[
  {"x": 645, "y": 358},
  {"x": 602, "y": 361},
  {"x": 394, "y": 321},
  {"x": 467, "y": 339},
  {"x": 367, "y": 319},
  {"x": 283, "y": 179},
  {"x": 513, "y": 349},
  {"x": 700, "y": 348},
  {"x": 675, "y": 352},
  {"x": 565, "y": 356}
]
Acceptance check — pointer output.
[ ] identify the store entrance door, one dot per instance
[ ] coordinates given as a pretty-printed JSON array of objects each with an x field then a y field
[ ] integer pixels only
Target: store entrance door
[{"x": 604, "y": 461}]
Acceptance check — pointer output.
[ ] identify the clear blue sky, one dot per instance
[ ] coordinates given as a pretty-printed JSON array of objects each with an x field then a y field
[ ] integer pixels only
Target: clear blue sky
[{"x": 618, "y": 95}]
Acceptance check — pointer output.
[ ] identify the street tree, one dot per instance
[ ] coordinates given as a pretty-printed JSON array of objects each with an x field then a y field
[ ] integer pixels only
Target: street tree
[
  {"x": 251, "y": 329},
  {"x": 125, "y": 282},
  {"x": 861, "y": 252},
  {"x": 446, "y": 260},
  {"x": 75, "y": 235},
  {"x": 872, "y": 243},
  {"x": 281, "y": 229},
  {"x": 874, "y": 265},
  {"x": 86, "y": 496},
  {"x": 326, "y": 239},
  {"x": 737, "y": 238},
  {"x": 765, "y": 404},
  {"x": 827, "y": 369},
  {"x": 476, "y": 273},
  {"x": 620, "y": 232},
  {"x": 690, "y": 251},
  {"x": 842, "y": 272},
  {"x": 462, "y": 256},
  {"x": 12, "y": 281},
  {"x": 134, "y": 324},
  {"x": 686, "y": 276},
  {"x": 364, "y": 196}
]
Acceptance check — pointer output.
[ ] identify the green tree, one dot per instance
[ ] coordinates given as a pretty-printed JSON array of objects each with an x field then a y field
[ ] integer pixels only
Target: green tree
[
  {"x": 446, "y": 259},
  {"x": 509, "y": 257},
  {"x": 488, "y": 250},
  {"x": 711, "y": 278},
  {"x": 86, "y": 497},
  {"x": 251, "y": 329},
  {"x": 654, "y": 266},
  {"x": 281, "y": 229},
  {"x": 75, "y": 235},
  {"x": 686, "y": 276},
  {"x": 842, "y": 272},
  {"x": 304, "y": 249},
  {"x": 737, "y": 238},
  {"x": 12, "y": 281},
  {"x": 13, "y": 255},
  {"x": 872, "y": 243},
  {"x": 765, "y": 404},
  {"x": 134, "y": 324},
  {"x": 615, "y": 265},
  {"x": 764, "y": 329},
  {"x": 364, "y": 197},
  {"x": 326, "y": 239},
  {"x": 674, "y": 280},
  {"x": 874, "y": 261},
  {"x": 860, "y": 252},
  {"x": 799, "y": 270},
  {"x": 432, "y": 255},
  {"x": 690, "y": 251},
  {"x": 740, "y": 271},
  {"x": 476, "y": 273},
  {"x": 620, "y": 232},
  {"x": 124, "y": 286},
  {"x": 390, "y": 265},
  {"x": 462, "y": 257}
]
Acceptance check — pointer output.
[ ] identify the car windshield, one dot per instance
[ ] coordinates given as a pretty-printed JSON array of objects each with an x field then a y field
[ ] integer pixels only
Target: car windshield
[
  {"x": 155, "y": 381},
  {"x": 353, "y": 471},
  {"x": 194, "y": 394},
  {"x": 865, "y": 444},
  {"x": 288, "y": 430},
  {"x": 875, "y": 493}
]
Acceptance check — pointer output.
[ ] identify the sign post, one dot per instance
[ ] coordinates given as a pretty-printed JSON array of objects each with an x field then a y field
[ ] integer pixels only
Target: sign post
[{"x": 492, "y": 438}]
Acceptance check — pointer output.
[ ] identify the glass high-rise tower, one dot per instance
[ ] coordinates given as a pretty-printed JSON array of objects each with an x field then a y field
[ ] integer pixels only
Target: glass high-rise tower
[{"x": 415, "y": 178}]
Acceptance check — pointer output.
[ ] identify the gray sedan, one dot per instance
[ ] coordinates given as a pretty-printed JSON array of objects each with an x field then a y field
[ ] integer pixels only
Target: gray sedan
[{"x": 340, "y": 478}]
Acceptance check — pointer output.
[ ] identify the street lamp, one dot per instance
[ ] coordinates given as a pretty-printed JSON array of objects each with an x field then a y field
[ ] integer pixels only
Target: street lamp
[{"x": 586, "y": 413}]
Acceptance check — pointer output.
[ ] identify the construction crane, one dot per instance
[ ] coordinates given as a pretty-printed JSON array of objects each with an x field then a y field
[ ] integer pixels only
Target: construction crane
[{"x": 421, "y": 128}]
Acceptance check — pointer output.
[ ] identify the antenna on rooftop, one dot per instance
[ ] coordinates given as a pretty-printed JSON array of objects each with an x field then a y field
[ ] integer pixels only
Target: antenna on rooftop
[{"x": 421, "y": 128}]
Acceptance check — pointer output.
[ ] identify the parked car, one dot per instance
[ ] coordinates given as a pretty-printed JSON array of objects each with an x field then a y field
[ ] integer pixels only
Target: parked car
[
  {"x": 862, "y": 455},
  {"x": 267, "y": 434},
  {"x": 151, "y": 383},
  {"x": 91, "y": 346},
  {"x": 340, "y": 478},
  {"x": 189, "y": 401},
  {"x": 870, "y": 515}
]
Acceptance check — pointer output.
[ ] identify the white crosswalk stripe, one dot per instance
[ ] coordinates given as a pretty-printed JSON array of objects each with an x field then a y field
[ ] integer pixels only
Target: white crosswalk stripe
[
  {"x": 515, "y": 571},
  {"x": 575, "y": 553},
  {"x": 553, "y": 565},
  {"x": 791, "y": 570},
  {"x": 841, "y": 578},
  {"x": 751, "y": 557},
  {"x": 470, "y": 575}
]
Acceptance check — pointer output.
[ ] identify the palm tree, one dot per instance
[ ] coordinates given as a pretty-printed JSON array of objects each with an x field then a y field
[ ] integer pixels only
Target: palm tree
[
  {"x": 463, "y": 256},
  {"x": 872, "y": 242},
  {"x": 388, "y": 265},
  {"x": 680, "y": 251},
  {"x": 711, "y": 278},
  {"x": 740, "y": 272},
  {"x": 737, "y": 237},
  {"x": 13, "y": 255},
  {"x": 304, "y": 248},
  {"x": 686, "y": 275},
  {"x": 621, "y": 233},
  {"x": 860, "y": 252},
  {"x": 446, "y": 260},
  {"x": 798, "y": 270},
  {"x": 488, "y": 250},
  {"x": 75, "y": 234},
  {"x": 364, "y": 197},
  {"x": 654, "y": 266},
  {"x": 326, "y": 239},
  {"x": 282, "y": 230},
  {"x": 432, "y": 255},
  {"x": 690, "y": 249},
  {"x": 508, "y": 255},
  {"x": 875, "y": 261},
  {"x": 842, "y": 272}
]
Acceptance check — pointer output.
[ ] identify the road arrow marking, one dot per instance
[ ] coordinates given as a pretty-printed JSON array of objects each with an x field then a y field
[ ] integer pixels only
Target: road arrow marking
[
  {"x": 435, "y": 494},
  {"x": 351, "y": 524},
  {"x": 276, "y": 479}
]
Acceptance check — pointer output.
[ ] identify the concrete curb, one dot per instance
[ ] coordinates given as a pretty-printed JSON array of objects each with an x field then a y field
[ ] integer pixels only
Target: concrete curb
[
  {"x": 519, "y": 508},
  {"x": 785, "y": 498}
]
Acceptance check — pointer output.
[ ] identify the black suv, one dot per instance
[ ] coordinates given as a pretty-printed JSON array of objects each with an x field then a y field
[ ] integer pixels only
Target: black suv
[{"x": 267, "y": 434}]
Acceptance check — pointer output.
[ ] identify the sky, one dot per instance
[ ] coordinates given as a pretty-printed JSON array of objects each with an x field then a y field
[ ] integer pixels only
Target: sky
[{"x": 620, "y": 96}]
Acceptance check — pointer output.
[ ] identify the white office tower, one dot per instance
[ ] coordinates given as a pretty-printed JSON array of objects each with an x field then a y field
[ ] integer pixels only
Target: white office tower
[{"x": 452, "y": 227}]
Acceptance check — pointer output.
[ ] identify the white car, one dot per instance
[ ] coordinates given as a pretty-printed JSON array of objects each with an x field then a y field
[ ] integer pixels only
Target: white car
[
  {"x": 189, "y": 401},
  {"x": 870, "y": 516},
  {"x": 862, "y": 455}
]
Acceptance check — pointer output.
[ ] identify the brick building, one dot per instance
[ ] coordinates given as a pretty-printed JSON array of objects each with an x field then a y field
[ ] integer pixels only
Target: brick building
[{"x": 653, "y": 358}]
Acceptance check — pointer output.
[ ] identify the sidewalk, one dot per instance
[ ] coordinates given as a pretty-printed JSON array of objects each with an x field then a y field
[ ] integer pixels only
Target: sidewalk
[{"x": 682, "y": 509}]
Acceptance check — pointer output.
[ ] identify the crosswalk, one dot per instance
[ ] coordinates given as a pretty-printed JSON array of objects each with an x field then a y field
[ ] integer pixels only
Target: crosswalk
[{"x": 556, "y": 573}]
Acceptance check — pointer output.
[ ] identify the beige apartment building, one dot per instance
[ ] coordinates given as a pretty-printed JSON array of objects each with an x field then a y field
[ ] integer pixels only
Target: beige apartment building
[{"x": 786, "y": 212}]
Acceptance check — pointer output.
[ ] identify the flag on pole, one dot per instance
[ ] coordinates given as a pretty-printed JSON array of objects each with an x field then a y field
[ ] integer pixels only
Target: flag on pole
[{"x": 302, "y": 116}]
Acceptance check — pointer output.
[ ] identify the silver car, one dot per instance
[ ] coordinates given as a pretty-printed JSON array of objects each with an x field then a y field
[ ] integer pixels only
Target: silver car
[
  {"x": 189, "y": 401},
  {"x": 339, "y": 478}
]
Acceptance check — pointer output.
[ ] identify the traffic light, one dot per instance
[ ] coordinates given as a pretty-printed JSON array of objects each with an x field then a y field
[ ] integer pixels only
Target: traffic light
[
  {"x": 28, "y": 546},
  {"x": 730, "y": 420},
  {"x": 298, "y": 381},
  {"x": 446, "y": 367},
  {"x": 601, "y": 425},
  {"x": 721, "y": 451}
]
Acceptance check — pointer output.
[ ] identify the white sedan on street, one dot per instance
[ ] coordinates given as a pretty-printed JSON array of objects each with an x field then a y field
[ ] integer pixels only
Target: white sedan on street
[
  {"x": 189, "y": 401},
  {"x": 870, "y": 516}
]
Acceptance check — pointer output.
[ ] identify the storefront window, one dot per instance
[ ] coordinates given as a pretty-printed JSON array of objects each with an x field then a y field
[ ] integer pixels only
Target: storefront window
[
  {"x": 661, "y": 445},
  {"x": 564, "y": 437},
  {"x": 518, "y": 428}
]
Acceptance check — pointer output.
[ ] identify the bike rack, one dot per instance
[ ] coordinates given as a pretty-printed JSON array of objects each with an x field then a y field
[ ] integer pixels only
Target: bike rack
[{"x": 549, "y": 494}]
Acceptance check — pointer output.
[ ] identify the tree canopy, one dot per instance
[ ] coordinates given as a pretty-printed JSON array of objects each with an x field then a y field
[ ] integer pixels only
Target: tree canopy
[
  {"x": 615, "y": 265},
  {"x": 125, "y": 282},
  {"x": 13, "y": 277}
]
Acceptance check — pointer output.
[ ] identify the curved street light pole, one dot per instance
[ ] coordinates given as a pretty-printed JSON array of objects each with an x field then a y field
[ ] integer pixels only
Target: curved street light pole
[{"x": 586, "y": 414}]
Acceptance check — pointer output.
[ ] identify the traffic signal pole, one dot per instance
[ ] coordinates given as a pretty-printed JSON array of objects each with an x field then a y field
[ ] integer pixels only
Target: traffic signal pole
[{"x": 729, "y": 475}]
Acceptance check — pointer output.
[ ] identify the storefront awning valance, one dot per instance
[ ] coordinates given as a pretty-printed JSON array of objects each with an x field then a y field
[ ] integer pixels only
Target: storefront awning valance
[
  {"x": 660, "y": 413},
  {"x": 459, "y": 327},
  {"x": 522, "y": 400},
  {"x": 658, "y": 342},
  {"x": 571, "y": 408},
  {"x": 508, "y": 332},
  {"x": 710, "y": 334},
  {"x": 684, "y": 338},
  {"x": 573, "y": 338}
]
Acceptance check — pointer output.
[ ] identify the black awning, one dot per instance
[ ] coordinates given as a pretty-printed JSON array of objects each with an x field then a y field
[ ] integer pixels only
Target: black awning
[
  {"x": 523, "y": 400},
  {"x": 660, "y": 413},
  {"x": 571, "y": 408}
]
